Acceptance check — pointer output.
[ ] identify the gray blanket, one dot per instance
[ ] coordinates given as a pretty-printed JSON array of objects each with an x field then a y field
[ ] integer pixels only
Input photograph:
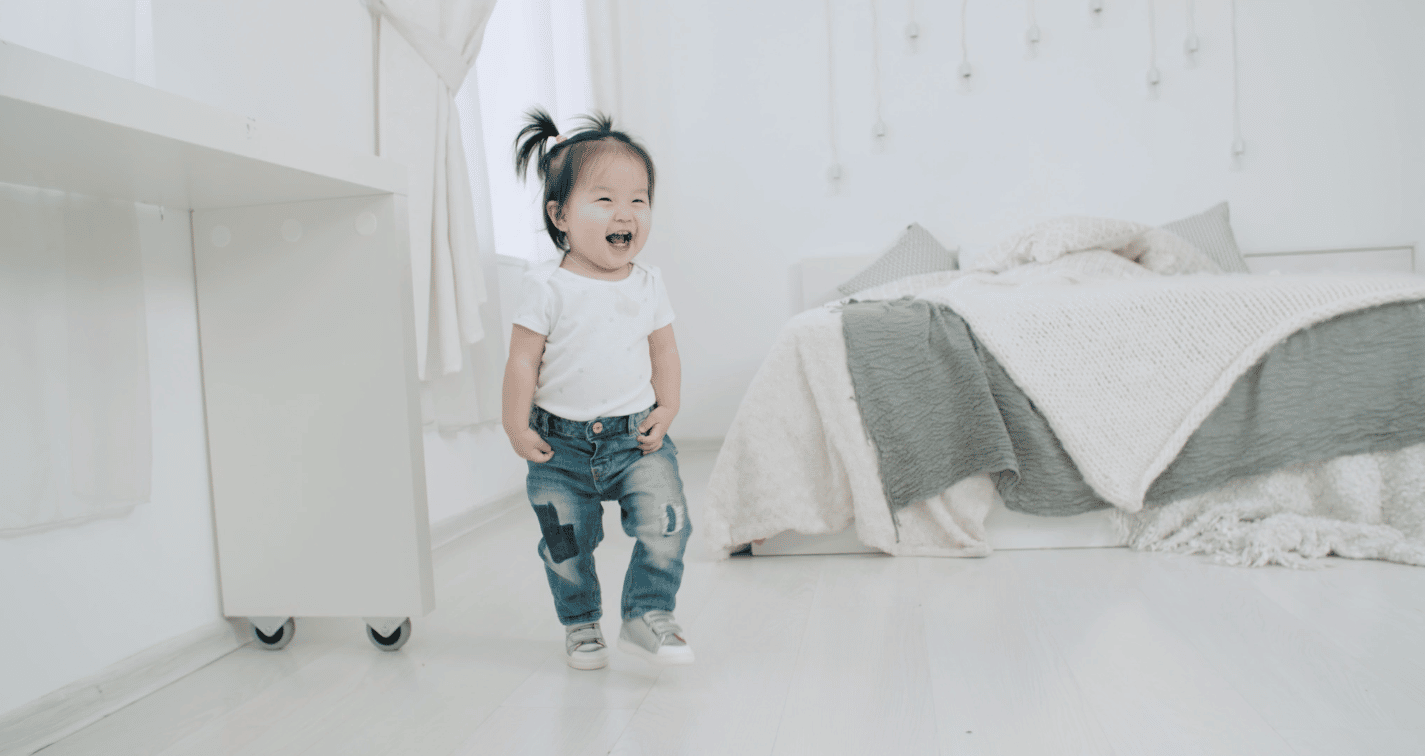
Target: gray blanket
[{"x": 940, "y": 408}]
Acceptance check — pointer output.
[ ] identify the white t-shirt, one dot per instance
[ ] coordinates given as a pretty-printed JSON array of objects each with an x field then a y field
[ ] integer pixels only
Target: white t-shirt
[{"x": 596, "y": 361}]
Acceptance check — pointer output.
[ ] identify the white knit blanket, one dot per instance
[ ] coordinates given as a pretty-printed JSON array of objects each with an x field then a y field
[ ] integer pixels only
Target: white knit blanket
[{"x": 1126, "y": 370}]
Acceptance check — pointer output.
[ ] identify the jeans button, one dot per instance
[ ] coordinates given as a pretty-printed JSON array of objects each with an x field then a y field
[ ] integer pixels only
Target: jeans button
[{"x": 598, "y": 427}]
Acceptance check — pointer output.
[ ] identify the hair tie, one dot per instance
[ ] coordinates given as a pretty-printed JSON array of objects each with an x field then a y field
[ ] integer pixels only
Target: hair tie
[{"x": 559, "y": 138}]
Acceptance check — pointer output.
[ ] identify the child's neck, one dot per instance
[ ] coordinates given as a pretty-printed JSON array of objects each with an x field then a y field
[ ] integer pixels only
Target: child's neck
[{"x": 580, "y": 267}]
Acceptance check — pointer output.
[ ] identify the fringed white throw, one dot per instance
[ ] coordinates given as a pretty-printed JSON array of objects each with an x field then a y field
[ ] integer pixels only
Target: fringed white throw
[{"x": 1367, "y": 506}]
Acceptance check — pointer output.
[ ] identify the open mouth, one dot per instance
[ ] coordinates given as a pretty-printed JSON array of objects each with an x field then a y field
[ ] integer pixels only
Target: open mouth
[{"x": 621, "y": 240}]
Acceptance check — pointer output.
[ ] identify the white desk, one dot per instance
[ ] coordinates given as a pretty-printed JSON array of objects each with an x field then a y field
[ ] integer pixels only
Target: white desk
[{"x": 305, "y": 321}]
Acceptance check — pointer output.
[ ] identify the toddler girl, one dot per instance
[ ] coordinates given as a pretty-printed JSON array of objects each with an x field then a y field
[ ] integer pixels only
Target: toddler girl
[{"x": 591, "y": 387}]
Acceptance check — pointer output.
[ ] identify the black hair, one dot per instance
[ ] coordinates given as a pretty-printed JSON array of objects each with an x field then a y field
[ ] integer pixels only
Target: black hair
[{"x": 559, "y": 167}]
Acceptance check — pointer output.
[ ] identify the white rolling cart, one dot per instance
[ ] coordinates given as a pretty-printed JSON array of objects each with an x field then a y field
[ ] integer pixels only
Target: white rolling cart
[{"x": 306, "y": 327}]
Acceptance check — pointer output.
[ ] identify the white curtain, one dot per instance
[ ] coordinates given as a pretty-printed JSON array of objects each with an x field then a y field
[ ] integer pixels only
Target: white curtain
[
  {"x": 533, "y": 52},
  {"x": 75, "y": 422},
  {"x": 605, "y": 54},
  {"x": 536, "y": 54},
  {"x": 427, "y": 48}
]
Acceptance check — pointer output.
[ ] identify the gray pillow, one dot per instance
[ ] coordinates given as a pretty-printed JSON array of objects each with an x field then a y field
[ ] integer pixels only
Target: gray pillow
[
  {"x": 1211, "y": 232},
  {"x": 915, "y": 252}
]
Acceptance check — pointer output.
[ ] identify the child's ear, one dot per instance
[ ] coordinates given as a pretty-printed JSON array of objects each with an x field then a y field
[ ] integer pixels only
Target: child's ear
[{"x": 552, "y": 208}]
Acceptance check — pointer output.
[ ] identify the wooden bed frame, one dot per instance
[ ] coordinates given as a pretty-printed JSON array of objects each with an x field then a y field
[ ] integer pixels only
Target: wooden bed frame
[{"x": 814, "y": 284}]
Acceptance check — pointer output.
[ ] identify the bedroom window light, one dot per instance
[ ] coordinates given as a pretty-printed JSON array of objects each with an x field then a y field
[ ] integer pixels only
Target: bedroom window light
[{"x": 535, "y": 52}]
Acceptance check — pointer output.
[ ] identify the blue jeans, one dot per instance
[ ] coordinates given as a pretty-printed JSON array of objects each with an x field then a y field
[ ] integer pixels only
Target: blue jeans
[{"x": 594, "y": 462}]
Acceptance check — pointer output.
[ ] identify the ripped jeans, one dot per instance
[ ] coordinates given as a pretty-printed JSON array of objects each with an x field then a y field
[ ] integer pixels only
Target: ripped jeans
[{"x": 594, "y": 462}]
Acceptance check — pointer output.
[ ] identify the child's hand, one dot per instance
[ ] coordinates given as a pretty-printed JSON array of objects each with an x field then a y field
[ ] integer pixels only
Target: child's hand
[
  {"x": 531, "y": 446},
  {"x": 652, "y": 430}
]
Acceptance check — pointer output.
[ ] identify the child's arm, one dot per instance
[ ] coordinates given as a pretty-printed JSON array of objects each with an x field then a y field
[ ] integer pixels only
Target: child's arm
[
  {"x": 521, "y": 375},
  {"x": 667, "y": 377}
]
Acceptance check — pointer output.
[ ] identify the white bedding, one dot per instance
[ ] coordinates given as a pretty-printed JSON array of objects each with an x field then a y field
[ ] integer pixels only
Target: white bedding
[
  {"x": 1125, "y": 369},
  {"x": 797, "y": 456}
]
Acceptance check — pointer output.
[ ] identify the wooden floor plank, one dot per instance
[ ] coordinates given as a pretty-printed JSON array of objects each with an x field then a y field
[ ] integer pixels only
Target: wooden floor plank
[
  {"x": 516, "y": 731},
  {"x": 1057, "y": 652},
  {"x": 1288, "y": 670},
  {"x": 1001, "y": 685},
  {"x": 861, "y": 683},
  {"x": 1342, "y": 741},
  {"x": 746, "y": 643},
  {"x": 1152, "y": 691}
]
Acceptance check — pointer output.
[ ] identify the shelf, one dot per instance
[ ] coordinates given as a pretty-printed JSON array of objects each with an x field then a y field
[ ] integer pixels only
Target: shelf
[{"x": 71, "y": 128}]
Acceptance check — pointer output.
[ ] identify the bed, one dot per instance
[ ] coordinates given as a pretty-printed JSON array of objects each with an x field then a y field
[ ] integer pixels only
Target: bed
[{"x": 800, "y": 471}]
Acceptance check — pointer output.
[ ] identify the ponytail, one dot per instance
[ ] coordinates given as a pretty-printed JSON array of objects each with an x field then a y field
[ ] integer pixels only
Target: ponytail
[{"x": 536, "y": 135}]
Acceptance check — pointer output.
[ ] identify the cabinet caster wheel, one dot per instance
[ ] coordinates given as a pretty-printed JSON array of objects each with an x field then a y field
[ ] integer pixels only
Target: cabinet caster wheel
[
  {"x": 392, "y": 642},
  {"x": 278, "y": 639}
]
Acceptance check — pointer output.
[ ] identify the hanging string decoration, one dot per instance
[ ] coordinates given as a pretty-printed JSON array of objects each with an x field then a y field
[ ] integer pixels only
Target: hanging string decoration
[
  {"x": 1153, "y": 76},
  {"x": 878, "y": 129},
  {"x": 1031, "y": 35},
  {"x": 966, "y": 70},
  {"x": 833, "y": 172},
  {"x": 1190, "y": 44},
  {"x": 1238, "y": 146}
]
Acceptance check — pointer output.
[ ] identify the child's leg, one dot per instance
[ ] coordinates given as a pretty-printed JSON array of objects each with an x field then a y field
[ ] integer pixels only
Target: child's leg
[
  {"x": 571, "y": 520},
  {"x": 655, "y": 512}
]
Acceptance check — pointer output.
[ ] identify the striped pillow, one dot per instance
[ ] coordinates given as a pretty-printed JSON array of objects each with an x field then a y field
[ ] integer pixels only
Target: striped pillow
[
  {"x": 916, "y": 251},
  {"x": 1211, "y": 232}
]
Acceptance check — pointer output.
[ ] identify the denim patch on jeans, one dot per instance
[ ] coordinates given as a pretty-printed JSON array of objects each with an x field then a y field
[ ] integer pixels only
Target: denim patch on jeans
[{"x": 588, "y": 468}]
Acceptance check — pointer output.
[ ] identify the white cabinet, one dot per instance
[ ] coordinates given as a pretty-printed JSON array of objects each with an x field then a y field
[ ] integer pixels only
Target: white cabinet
[{"x": 305, "y": 322}]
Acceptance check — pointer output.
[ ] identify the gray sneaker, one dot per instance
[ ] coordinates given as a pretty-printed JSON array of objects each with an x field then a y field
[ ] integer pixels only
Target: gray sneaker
[
  {"x": 657, "y": 638},
  {"x": 584, "y": 646}
]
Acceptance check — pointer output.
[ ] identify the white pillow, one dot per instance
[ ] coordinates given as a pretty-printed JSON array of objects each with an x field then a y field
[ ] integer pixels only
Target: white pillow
[
  {"x": 1099, "y": 263},
  {"x": 1163, "y": 251},
  {"x": 914, "y": 252},
  {"x": 1055, "y": 238}
]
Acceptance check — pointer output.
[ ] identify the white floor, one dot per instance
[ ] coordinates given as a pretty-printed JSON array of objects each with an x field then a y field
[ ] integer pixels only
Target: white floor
[{"x": 1090, "y": 651}]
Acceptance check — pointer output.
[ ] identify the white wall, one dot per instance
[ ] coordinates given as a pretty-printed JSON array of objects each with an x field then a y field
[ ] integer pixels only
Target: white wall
[
  {"x": 76, "y": 600},
  {"x": 95, "y": 33},
  {"x": 304, "y": 65},
  {"x": 731, "y": 99}
]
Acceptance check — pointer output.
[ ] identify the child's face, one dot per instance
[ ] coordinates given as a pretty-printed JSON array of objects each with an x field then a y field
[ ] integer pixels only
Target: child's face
[{"x": 607, "y": 216}]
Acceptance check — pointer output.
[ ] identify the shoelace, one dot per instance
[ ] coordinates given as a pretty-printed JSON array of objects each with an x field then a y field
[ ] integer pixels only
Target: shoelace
[{"x": 663, "y": 626}]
